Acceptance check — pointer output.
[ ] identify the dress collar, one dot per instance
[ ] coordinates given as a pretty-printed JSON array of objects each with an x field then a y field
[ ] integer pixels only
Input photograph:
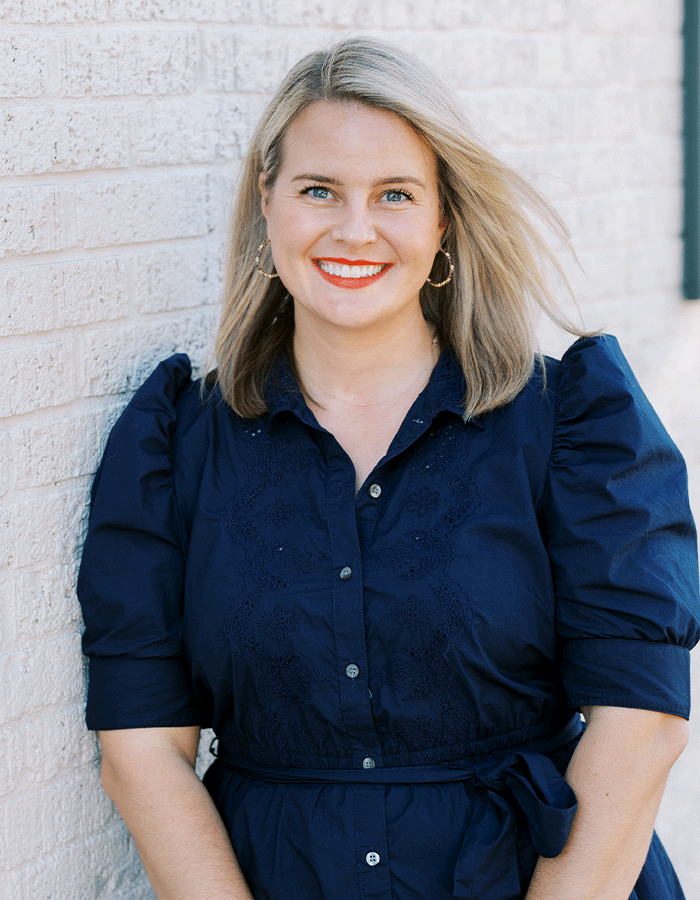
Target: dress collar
[{"x": 443, "y": 393}]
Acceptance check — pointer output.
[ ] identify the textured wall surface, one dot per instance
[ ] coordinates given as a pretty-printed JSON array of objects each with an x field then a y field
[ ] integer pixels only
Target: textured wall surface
[{"x": 122, "y": 123}]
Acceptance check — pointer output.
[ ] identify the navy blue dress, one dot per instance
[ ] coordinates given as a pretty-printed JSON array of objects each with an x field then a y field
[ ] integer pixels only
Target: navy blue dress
[{"x": 393, "y": 676}]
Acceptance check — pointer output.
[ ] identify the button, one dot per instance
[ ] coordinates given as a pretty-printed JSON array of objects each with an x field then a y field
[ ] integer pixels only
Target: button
[
  {"x": 368, "y": 763},
  {"x": 345, "y": 573},
  {"x": 375, "y": 491},
  {"x": 352, "y": 671},
  {"x": 372, "y": 858}
]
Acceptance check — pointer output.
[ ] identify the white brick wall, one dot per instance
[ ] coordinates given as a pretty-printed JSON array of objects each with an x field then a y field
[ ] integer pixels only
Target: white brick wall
[{"x": 122, "y": 123}]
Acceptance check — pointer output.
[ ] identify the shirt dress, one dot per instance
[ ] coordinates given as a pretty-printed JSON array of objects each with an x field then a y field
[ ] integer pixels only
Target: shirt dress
[{"x": 393, "y": 675}]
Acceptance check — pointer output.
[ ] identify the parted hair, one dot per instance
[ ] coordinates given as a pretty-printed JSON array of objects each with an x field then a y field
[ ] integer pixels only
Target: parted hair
[{"x": 503, "y": 265}]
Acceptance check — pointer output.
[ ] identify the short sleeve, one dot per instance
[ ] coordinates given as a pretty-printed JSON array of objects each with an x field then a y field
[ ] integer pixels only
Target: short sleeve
[
  {"x": 621, "y": 540},
  {"x": 131, "y": 577}
]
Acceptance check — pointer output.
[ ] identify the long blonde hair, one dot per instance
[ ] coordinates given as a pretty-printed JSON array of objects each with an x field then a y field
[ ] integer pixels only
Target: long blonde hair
[{"x": 486, "y": 314}]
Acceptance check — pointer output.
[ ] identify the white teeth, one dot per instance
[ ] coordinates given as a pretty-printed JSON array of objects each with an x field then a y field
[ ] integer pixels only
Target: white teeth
[{"x": 346, "y": 271}]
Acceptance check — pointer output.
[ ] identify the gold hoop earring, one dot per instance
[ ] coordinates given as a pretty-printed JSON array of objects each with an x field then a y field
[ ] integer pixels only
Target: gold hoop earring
[
  {"x": 257, "y": 260},
  {"x": 440, "y": 284}
]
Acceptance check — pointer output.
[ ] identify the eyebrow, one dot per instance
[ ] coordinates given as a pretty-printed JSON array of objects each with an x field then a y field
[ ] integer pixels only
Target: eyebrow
[{"x": 395, "y": 179}]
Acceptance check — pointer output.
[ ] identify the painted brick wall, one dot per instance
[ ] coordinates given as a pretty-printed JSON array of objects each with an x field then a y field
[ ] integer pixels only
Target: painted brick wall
[{"x": 122, "y": 123}]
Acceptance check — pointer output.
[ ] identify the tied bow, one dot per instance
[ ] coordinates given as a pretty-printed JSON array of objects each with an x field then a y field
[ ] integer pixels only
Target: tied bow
[{"x": 521, "y": 804}]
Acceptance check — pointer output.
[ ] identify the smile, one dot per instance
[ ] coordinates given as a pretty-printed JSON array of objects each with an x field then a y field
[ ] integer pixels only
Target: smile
[{"x": 350, "y": 273}]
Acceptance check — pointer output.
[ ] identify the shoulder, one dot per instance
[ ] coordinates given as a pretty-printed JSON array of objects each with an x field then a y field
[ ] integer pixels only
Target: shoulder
[{"x": 599, "y": 404}]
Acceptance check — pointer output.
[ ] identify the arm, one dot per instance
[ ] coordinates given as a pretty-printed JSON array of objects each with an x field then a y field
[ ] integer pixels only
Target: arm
[
  {"x": 186, "y": 852},
  {"x": 618, "y": 773}
]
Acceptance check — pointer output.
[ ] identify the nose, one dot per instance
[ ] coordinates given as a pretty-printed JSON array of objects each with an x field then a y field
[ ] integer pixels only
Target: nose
[{"x": 355, "y": 225}]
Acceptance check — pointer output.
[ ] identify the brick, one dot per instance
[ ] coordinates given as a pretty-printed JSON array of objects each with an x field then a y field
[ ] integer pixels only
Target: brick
[
  {"x": 36, "y": 377},
  {"x": 51, "y": 816},
  {"x": 219, "y": 59},
  {"x": 4, "y": 459},
  {"x": 41, "y": 139},
  {"x": 324, "y": 13},
  {"x": 492, "y": 60},
  {"x": 553, "y": 169},
  {"x": 525, "y": 116},
  {"x": 170, "y": 280},
  {"x": 59, "y": 450},
  {"x": 605, "y": 220},
  {"x": 601, "y": 167},
  {"x": 444, "y": 14},
  {"x": 58, "y": 12},
  {"x": 90, "y": 291},
  {"x": 204, "y": 756},
  {"x": 118, "y": 360},
  {"x": 30, "y": 221},
  {"x": 656, "y": 159},
  {"x": 56, "y": 744},
  {"x": 256, "y": 60},
  {"x": 110, "y": 63},
  {"x": 47, "y": 532},
  {"x": 46, "y": 674},
  {"x": 174, "y": 132},
  {"x": 238, "y": 11},
  {"x": 11, "y": 760},
  {"x": 601, "y": 16},
  {"x": 42, "y": 603},
  {"x": 661, "y": 109},
  {"x": 104, "y": 866},
  {"x": 25, "y": 61},
  {"x": 40, "y": 298},
  {"x": 108, "y": 213},
  {"x": 653, "y": 267},
  {"x": 601, "y": 115},
  {"x": 525, "y": 15},
  {"x": 27, "y": 295},
  {"x": 656, "y": 57}
]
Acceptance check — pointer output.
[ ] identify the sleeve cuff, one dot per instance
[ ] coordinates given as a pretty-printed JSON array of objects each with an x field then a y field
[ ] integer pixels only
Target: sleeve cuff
[
  {"x": 628, "y": 673},
  {"x": 124, "y": 692}
]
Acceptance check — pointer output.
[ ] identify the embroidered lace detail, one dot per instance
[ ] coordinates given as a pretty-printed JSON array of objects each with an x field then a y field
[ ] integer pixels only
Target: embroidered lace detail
[
  {"x": 280, "y": 464},
  {"x": 279, "y": 513},
  {"x": 423, "y": 502},
  {"x": 280, "y": 620},
  {"x": 264, "y": 614},
  {"x": 418, "y": 554},
  {"x": 412, "y": 613}
]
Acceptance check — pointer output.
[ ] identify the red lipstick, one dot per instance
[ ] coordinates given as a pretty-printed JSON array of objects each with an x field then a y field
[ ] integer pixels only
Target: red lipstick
[{"x": 352, "y": 283}]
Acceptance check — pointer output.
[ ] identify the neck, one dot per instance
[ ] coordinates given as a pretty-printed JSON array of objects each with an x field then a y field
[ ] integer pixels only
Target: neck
[{"x": 362, "y": 371}]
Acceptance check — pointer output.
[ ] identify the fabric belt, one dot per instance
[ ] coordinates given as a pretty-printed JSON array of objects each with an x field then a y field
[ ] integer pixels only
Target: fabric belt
[{"x": 452, "y": 770}]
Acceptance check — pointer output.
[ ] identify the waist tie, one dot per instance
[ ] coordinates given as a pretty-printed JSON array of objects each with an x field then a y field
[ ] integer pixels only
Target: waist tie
[
  {"x": 520, "y": 793},
  {"x": 451, "y": 770}
]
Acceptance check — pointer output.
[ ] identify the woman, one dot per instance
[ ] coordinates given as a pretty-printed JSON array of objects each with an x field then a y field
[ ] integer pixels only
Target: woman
[{"x": 387, "y": 553}]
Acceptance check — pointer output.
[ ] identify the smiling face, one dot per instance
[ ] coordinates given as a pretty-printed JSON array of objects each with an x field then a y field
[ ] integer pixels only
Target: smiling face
[{"x": 353, "y": 217}]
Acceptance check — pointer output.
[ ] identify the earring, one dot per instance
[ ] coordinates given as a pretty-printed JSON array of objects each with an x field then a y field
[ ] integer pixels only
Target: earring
[
  {"x": 257, "y": 260},
  {"x": 452, "y": 271}
]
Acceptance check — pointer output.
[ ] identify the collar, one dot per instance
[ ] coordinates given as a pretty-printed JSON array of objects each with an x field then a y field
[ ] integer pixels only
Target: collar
[{"x": 443, "y": 393}]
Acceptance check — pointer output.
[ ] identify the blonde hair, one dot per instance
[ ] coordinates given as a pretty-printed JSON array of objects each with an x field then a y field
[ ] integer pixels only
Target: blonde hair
[{"x": 486, "y": 314}]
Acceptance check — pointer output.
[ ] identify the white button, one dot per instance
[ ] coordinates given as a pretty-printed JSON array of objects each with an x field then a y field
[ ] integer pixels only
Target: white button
[
  {"x": 372, "y": 858},
  {"x": 375, "y": 491},
  {"x": 352, "y": 671},
  {"x": 368, "y": 763},
  {"x": 345, "y": 573}
]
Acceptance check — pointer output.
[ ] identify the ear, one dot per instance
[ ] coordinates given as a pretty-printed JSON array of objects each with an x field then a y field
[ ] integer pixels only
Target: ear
[{"x": 264, "y": 193}]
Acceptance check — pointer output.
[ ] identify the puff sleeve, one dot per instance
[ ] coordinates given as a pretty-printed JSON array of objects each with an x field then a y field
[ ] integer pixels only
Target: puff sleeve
[
  {"x": 132, "y": 570},
  {"x": 621, "y": 540}
]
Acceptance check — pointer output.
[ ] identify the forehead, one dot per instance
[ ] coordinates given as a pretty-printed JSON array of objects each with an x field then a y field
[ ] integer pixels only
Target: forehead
[{"x": 350, "y": 135}]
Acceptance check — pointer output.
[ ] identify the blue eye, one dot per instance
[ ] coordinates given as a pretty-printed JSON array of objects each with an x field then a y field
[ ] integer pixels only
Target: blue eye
[
  {"x": 396, "y": 195},
  {"x": 317, "y": 192}
]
